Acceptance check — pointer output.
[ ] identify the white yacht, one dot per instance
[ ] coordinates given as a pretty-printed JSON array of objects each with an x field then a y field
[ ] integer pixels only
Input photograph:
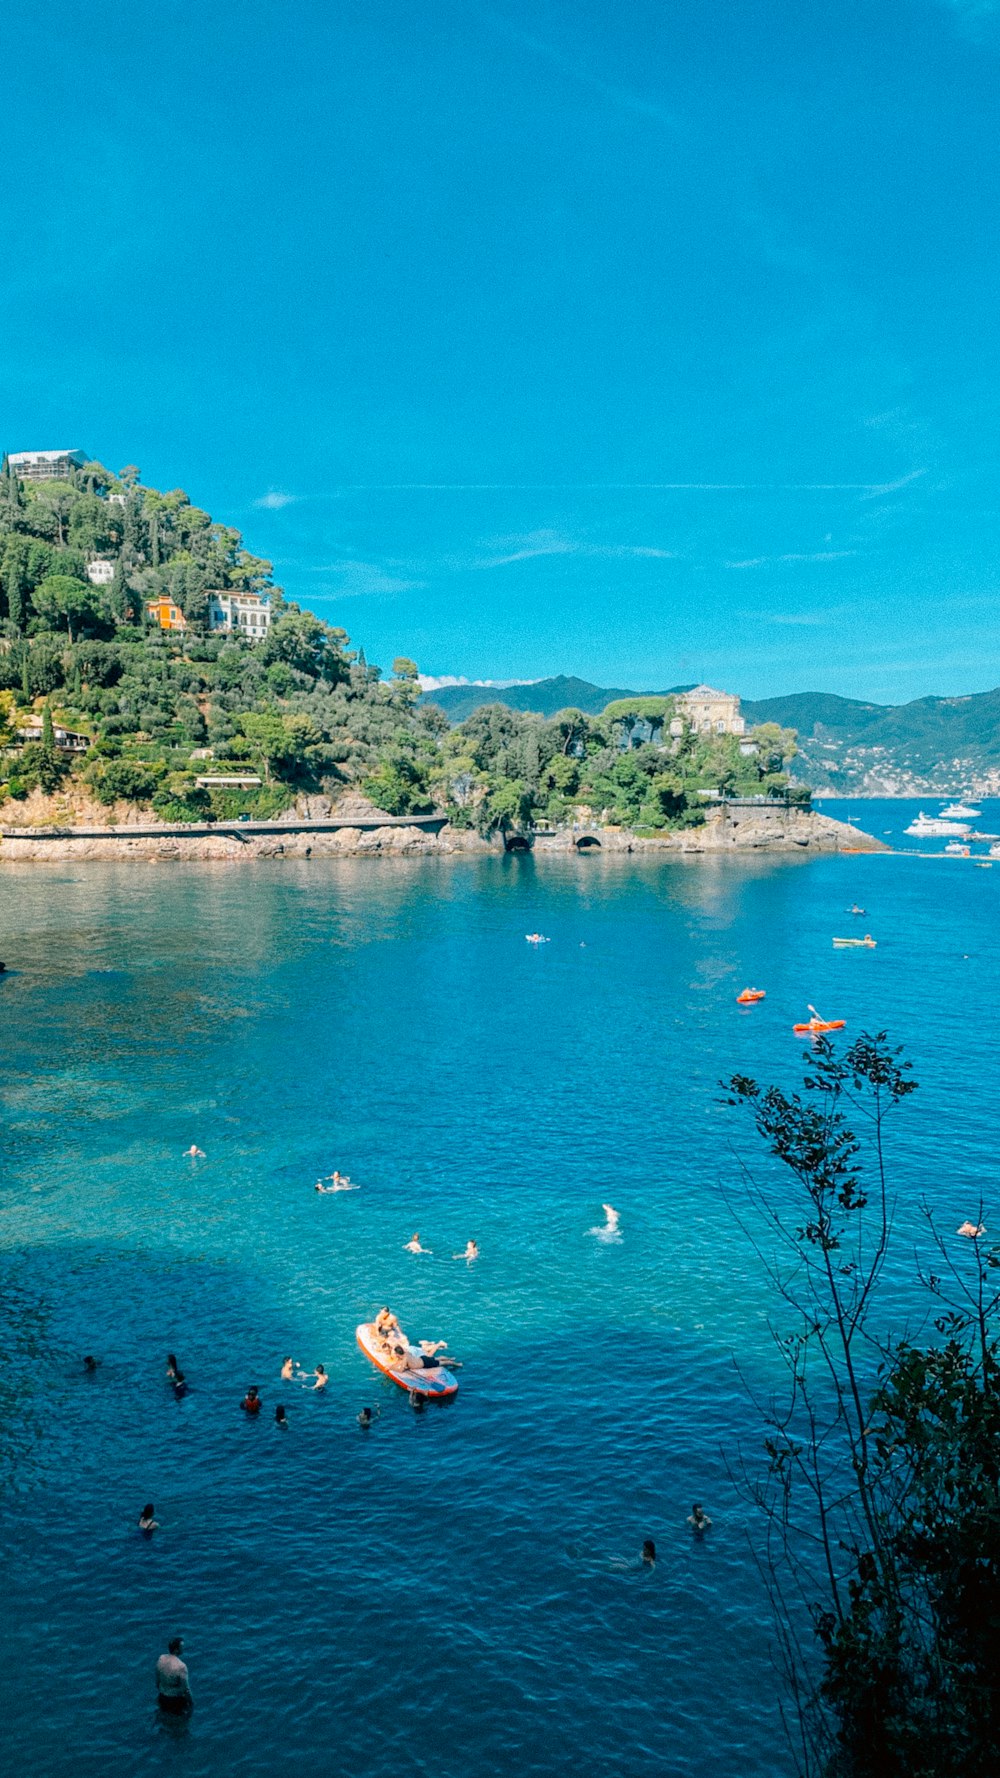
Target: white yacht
[
  {"x": 959, "y": 812},
  {"x": 928, "y": 826}
]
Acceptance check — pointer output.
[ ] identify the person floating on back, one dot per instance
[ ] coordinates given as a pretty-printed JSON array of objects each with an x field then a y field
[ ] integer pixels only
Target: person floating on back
[
  {"x": 698, "y": 1520},
  {"x": 173, "y": 1687},
  {"x": 251, "y": 1403}
]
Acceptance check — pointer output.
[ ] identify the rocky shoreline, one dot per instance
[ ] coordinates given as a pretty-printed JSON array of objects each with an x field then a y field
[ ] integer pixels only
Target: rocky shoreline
[{"x": 748, "y": 831}]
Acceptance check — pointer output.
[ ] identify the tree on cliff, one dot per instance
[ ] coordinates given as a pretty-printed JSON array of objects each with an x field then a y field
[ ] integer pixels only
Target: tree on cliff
[{"x": 881, "y": 1501}]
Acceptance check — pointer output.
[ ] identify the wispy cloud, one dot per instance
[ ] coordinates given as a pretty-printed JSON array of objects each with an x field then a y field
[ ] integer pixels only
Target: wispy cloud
[
  {"x": 546, "y": 543},
  {"x": 904, "y": 481},
  {"x": 870, "y": 488},
  {"x": 623, "y": 98},
  {"x": 274, "y": 500},
  {"x": 358, "y": 579},
  {"x": 818, "y": 555}
]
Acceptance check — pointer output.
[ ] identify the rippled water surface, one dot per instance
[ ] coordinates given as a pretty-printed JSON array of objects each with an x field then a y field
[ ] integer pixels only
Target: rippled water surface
[{"x": 455, "y": 1593}]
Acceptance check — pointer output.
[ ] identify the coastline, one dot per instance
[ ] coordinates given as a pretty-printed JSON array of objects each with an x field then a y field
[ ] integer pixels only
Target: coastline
[{"x": 758, "y": 830}]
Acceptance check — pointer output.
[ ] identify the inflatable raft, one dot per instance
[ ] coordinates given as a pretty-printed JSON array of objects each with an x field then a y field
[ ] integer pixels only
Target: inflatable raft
[
  {"x": 750, "y": 995},
  {"x": 430, "y": 1380}
]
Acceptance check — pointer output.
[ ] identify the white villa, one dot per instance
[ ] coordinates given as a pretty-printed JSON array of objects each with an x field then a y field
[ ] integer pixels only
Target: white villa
[
  {"x": 46, "y": 466},
  {"x": 249, "y": 613},
  {"x": 100, "y": 572}
]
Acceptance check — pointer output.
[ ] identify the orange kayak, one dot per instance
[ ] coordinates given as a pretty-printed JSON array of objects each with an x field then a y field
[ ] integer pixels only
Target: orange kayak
[
  {"x": 749, "y": 995},
  {"x": 815, "y": 1027}
]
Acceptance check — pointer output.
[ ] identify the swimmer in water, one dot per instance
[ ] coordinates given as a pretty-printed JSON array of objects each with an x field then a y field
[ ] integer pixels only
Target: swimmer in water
[
  {"x": 287, "y": 1369},
  {"x": 365, "y": 1418},
  {"x": 470, "y": 1251},
  {"x": 171, "y": 1366},
  {"x": 179, "y": 1384},
  {"x": 413, "y": 1245},
  {"x": 148, "y": 1521},
  {"x": 649, "y": 1553},
  {"x": 608, "y": 1230},
  {"x": 698, "y": 1520},
  {"x": 194, "y": 1153},
  {"x": 90, "y": 1364},
  {"x": 281, "y": 1418},
  {"x": 251, "y": 1403},
  {"x": 321, "y": 1377}
]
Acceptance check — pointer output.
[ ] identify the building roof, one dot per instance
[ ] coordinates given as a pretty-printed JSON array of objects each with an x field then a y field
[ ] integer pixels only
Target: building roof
[{"x": 706, "y": 691}]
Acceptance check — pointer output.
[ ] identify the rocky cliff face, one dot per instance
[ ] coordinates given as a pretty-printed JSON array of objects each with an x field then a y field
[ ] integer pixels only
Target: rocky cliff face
[{"x": 759, "y": 831}]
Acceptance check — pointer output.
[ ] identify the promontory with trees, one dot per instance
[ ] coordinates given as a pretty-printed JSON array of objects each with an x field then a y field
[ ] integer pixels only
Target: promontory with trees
[{"x": 125, "y": 678}]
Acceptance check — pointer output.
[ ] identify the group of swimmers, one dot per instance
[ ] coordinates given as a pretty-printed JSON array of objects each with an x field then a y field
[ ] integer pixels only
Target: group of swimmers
[
  {"x": 336, "y": 1182},
  {"x": 470, "y": 1251}
]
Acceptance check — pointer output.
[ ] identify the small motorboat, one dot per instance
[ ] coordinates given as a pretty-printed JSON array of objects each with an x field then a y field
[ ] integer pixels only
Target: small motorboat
[
  {"x": 867, "y": 943},
  {"x": 955, "y": 849},
  {"x": 750, "y": 995},
  {"x": 984, "y": 864},
  {"x": 427, "y": 1380},
  {"x": 815, "y": 1027}
]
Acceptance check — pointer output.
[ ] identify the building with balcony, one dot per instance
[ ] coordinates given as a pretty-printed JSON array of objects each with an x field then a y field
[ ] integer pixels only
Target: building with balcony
[
  {"x": 66, "y": 740},
  {"x": 100, "y": 572},
  {"x": 46, "y": 466},
  {"x": 248, "y": 613}
]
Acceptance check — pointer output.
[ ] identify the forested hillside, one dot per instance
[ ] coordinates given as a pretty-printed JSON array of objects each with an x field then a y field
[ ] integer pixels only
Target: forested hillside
[{"x": 97, "y": 701}]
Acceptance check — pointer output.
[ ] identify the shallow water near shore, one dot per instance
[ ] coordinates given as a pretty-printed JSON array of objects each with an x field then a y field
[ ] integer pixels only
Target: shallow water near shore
[{"x": 456, "y": 1592}]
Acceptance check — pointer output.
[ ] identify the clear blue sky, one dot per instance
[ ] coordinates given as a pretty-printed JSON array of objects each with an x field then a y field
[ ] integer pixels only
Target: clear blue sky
[{"x": 650, "y": 342}]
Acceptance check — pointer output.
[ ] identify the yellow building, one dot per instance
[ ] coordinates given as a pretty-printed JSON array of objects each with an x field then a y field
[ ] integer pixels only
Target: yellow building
[
  {"x": 168, "y": 615},
  {"x": 708, "y": 712}
]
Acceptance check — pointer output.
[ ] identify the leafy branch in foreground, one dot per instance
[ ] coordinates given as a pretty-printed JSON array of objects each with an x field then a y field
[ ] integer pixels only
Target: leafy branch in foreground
[{"x": 880, "y": 1503}]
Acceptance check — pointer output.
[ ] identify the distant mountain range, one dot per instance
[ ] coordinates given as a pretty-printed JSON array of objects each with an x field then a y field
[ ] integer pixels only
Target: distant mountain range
[{"x": 932, "y": 745}]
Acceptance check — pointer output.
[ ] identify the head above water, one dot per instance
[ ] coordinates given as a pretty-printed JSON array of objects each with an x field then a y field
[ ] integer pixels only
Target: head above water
[
  {"x": 176, "y": 1644},
  {"x": 649, "y": 1550},
  {"x": 171, "y": 1361},
  {"x": 279, "y": 1412},
  {"x": 148, "y": 1511},
  {"x": 90, "y": 1362}
]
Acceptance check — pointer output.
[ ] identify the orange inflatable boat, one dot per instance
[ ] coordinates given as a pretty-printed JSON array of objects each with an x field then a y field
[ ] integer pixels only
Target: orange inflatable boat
[{"x": 749, "y": 995}]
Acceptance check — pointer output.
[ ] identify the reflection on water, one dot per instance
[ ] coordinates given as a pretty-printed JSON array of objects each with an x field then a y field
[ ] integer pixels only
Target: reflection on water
[{"x": 453, "y": 1592}]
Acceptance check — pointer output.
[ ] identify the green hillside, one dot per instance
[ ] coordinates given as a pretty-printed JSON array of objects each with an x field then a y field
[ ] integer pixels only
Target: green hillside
[
  {"x": 99, "y": 702},
  {"x": 945, "y": 744}
]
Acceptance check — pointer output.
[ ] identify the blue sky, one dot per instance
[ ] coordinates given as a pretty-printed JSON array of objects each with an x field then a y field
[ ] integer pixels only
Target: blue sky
[{"x": 648, "y": 342}]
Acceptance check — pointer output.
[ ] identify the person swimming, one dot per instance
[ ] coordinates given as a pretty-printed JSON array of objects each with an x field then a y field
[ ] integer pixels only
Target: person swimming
[
  {"x": 194, "y": 1153},
  {"x": 251, "y": 1403},
  {"x": 179, "y": 1384},
  {"x": 171, "y": 1366},
  {"x": 321, "y": 1377},
  {"x": 365, "y": 1418},
  {"x": 470, "y": 1251},
  {"x": 649, "y": 1552},
  {"x": 148, "y": 1521},
  {"x": 698, "y": 1520},
  {"x": 281, "y": 1418},
  {"x": 413, "y": 1245},
  {"x": 287, "y": 1369},
  {"x": 90, "y": 1364},
  {"x": 608, "y": 1230}
]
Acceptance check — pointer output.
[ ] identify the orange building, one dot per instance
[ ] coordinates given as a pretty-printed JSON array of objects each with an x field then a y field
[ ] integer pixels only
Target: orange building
[{"x": 168, "y": 615}]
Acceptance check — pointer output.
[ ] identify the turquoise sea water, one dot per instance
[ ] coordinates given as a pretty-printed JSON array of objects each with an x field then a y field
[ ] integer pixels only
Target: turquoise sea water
[{"x": 455, "y": 1593}]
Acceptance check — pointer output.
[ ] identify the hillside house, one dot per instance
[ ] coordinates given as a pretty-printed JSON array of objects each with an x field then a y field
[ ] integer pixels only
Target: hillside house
[
  {"x": 249, "y": 613},
  {"x": 46, "y": 466},
  {"x": 67, "y": 740},
  {"x": 100, "y": 572},
  {"x": 708, "y": 712},
  {"x": 168, "y": 615}
]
